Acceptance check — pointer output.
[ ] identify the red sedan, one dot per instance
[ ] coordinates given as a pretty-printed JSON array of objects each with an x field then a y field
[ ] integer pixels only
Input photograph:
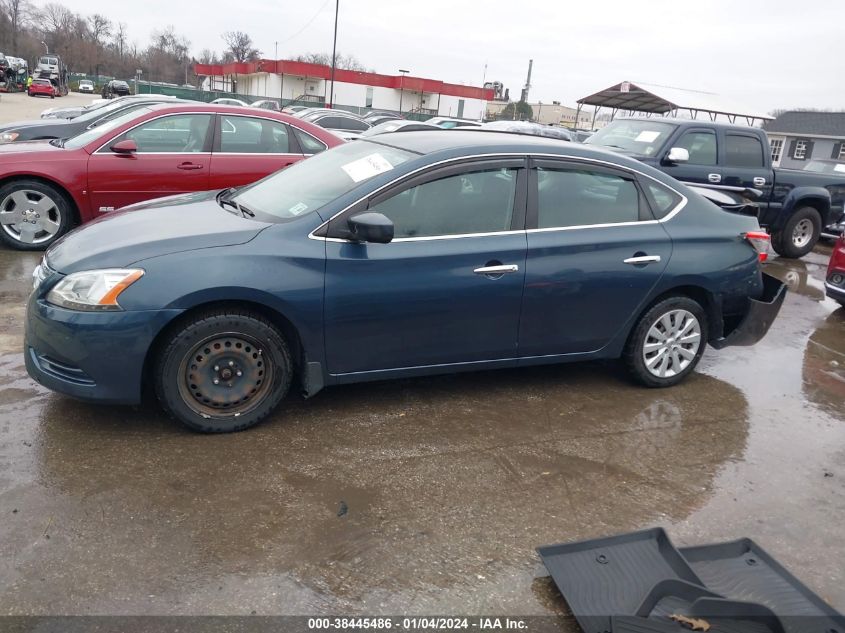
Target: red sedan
[
  {"x": 46, "y": 187},
  {"x": 41, "y": 87}
]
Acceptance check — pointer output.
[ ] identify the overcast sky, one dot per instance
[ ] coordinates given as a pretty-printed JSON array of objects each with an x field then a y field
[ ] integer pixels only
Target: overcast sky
[{"x": 766, "y": 54}]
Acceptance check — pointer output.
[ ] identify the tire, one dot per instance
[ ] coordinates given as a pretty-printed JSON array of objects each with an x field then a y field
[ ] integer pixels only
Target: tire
[
  {"x": 42, "y": 211},
  {"x": 799, "y": 235},
  {"x": 661, "y": 318},
  {"x": 244, "y": 352}
]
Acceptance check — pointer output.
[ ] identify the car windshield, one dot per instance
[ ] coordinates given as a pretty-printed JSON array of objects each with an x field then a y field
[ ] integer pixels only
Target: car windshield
[
  {"x": 311, "y": 183},
  {"x": 80, "y": 140},
  {"x": 643, "y": 137}
]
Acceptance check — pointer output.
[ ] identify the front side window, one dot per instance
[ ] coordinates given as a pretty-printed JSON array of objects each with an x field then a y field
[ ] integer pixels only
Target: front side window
[
  {"x": 743, "y": 151},
  {"x": 473, "y": 202},
  {"x": 248, "y": 135},
  {"x": 570, "y": 197},
  {"x": 701, "y": 146},
  {"x": 178, "y": 134}
]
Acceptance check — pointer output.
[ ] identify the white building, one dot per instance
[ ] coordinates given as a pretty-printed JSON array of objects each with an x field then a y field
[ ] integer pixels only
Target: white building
[{"x": 309, "y": 83}]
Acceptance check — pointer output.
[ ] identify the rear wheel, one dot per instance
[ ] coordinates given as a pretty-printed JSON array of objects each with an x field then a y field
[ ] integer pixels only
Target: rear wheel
[
  {"x": 33, "y": 214},
  {"x": 224, "y": 371},
  {"x": 799, "y": 235},
  {"x": 667, "y": 342}
]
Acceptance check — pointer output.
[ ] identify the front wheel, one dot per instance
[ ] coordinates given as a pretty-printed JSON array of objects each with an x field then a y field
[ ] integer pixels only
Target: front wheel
[
  {"x": 223, "y": 371},
  {"x": 33, "y": 214},
  {"x": 799, "y": 235},
  {"x": 667, "y": 342}
]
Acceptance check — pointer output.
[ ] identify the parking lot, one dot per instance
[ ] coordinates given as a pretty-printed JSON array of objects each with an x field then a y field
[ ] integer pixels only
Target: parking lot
[
  {"x": 346, "y": 503},
  {"x": 17, "y": 106}
]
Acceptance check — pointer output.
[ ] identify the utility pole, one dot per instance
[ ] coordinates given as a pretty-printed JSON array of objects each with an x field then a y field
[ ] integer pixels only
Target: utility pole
[
  {"x": 334, "y": 53},
  {"x": 402, "y": 88},
  {"x": 483, "y": 100}
]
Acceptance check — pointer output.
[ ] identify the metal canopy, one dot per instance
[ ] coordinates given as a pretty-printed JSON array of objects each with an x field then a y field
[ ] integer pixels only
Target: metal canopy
[{"x": 653, "y": 99}]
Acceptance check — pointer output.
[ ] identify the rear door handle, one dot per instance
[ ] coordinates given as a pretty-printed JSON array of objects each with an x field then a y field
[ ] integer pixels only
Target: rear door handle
[
  {"x": 497, "y": 270},
  {"x": 642, "y": 259},
  {"x": 714, "y": 177},
  {"x": 189, "y": 166}
]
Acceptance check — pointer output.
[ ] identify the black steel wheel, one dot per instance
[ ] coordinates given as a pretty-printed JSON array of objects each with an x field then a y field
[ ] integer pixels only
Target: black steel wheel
[{"x": 223, "y": 372}]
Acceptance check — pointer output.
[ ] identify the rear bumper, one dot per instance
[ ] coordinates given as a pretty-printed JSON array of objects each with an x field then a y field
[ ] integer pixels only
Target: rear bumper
[{"x": 760, "y": 316}]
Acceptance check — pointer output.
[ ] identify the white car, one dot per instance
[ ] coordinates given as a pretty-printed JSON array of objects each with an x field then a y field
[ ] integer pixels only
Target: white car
[
  {"x": 86, "y": 85},
  {"x": 231, "y": 102}
]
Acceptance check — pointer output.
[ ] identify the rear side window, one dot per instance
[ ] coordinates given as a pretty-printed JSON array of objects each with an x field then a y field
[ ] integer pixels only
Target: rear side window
[
  {"x": 662, "y": 199},
  {"x": 247, "y": 135},
  {"x": 570, "y": 197},
  {"x": 743, "y": 151}
]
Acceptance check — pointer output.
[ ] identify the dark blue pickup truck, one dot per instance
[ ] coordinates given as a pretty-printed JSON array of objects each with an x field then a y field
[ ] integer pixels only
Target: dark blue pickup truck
[{"x": 794, "y": 206}]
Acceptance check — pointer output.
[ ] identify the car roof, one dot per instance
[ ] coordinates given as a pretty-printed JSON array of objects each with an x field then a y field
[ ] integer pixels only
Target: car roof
[
  {"x": 679, "y": 121},
  {"x": 198, "y": 106}
]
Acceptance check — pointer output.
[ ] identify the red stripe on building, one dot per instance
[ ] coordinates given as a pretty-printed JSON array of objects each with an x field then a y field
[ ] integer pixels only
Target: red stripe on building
[{"x": 318, "y": 71}]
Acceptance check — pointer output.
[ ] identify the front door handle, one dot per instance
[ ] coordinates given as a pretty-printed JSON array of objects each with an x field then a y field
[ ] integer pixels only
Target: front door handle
[
  {"x": 642, "y": 259},
  {"x": 759, "y": 181},
  {"x": 189, "y": 166},
  {"x": 714, "y": 177},
  {"x": 497, "y": 270}
]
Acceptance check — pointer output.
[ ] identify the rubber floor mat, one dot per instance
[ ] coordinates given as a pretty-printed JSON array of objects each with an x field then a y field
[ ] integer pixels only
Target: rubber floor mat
[
  {"x": 600, "y": 578},
  {"x": 742, "y": 570}
]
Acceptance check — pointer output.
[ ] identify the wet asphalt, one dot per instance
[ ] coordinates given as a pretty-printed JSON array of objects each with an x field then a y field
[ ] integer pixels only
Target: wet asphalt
[{"x": 423, "y": 496}]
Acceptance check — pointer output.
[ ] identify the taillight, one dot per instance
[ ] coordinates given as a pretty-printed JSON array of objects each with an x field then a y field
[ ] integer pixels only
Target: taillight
[{"x": 760, "y": 240}]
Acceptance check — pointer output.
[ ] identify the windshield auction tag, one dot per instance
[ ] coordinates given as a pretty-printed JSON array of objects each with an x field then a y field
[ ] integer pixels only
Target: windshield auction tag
[
  {"x": 298, "y": 208},
  {"x": 367, "y": 167},
  {"x": 647, "y": 137}
]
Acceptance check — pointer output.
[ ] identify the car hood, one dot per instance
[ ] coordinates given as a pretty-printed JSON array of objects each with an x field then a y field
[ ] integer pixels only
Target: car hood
[
  {"x": 34, "y": 123},
  {"x": 159, "y": 227}
]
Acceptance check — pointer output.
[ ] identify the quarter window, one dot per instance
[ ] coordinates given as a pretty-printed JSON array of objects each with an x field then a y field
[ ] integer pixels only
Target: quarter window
[
  {"x": 743, "y": 151},
  {"x": 580, "y": 197},
  {"x": 701, "y": 146},
  {"x": 178, "y": 134},
  {"x": 663, "y": 199},
  {"x": 475, "y": 202},
  {"x": 248, "y": 135},
  {"x": 308, "y": 143}
]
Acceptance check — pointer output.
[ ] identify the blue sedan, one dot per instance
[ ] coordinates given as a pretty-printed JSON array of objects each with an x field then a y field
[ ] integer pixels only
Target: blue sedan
[{"x": 401, "y": 255}]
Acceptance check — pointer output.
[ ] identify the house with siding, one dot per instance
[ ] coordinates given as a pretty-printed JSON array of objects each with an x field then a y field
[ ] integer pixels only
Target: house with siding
[{"x": 797, "y": 136}]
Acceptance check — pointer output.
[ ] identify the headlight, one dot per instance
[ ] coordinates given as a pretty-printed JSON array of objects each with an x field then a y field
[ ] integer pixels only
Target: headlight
[
  {"x": 93, "y": 290},
  {"x": 8, "y": 137}
]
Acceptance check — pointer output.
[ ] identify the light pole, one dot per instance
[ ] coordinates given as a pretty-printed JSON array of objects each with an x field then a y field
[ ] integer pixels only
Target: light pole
[
  {"x": 402, "y": 88},
  {"x": 46, "y": 48},
  {"x": 334, "y": 53}
]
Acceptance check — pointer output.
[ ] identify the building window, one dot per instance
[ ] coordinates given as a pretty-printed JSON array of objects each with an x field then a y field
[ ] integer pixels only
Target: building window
[
  {"x": 369, "y": 96},
  {"x": 777, "y": 149},
  {"x": 842, "y": 151},
  {"x": 800, "y": 150}
]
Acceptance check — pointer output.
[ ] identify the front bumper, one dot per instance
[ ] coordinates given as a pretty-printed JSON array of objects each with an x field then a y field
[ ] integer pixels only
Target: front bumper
[
  {"x": 97, "y": 356},
  {"x": 760, "y": 316},
  {"x": 834, "y": 292}
]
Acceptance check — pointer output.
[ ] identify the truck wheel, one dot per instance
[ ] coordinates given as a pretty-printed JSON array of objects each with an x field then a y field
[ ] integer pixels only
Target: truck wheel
[
  {"x": 224, "y": 371},
  {"x": 667, "y": 342},
  {"x": 33, "y": 215},
  {"x": 799, "y": 235}
]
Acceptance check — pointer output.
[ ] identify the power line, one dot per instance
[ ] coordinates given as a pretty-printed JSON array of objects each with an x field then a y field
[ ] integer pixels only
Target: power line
[{"x": 307, "y": 24}]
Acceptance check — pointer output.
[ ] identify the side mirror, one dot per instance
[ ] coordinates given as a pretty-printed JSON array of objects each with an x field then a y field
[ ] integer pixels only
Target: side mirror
[
  {"x": 371, "y": 227},
  {"x": 124, "y": 147},
  {"x": 677, "y": 155}
]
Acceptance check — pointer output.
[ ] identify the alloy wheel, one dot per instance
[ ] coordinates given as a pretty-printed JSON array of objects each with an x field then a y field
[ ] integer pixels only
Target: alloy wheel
[
  {"x": 802, "y": 233},
  {"x": 672, "y": 343},
  {"x": 30, "y": 216}
]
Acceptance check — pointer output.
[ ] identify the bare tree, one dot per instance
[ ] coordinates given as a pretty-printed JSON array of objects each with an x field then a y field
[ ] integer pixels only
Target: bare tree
[
  {"x": 99, "y": 28},
  {"x": 240, "y": 47},
  {"x": 346, "y": 62},
  {"x": 119, "y": 41},
  {"x": 207, "y": 56},
  {"x": 19, "y": 12}
]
